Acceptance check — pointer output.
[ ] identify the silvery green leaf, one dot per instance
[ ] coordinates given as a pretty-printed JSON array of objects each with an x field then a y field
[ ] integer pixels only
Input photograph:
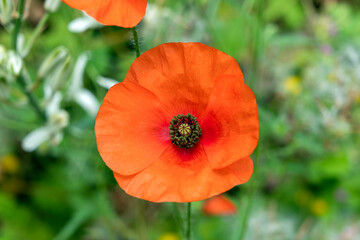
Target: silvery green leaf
[
  {"x": 6, "y": 10},
  {"x": 51, "y": 5},
  {"x": 87, "y": 101},
  {"x": 83, "y": 23},
  {"x": 35, "y": 138},
  {"x": 52, "y": 61},
  {"x": 106, "y": 82}
]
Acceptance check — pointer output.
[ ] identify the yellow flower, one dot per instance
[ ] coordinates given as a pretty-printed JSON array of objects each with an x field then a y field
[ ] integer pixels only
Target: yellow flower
[
  {"x": 9, "y": 163},
  {"x": 169, "y": 236},
  {"x": 319, "y": 207},
  {"x": 292, "y": 85},
  {"x": 357, "y": 99}
]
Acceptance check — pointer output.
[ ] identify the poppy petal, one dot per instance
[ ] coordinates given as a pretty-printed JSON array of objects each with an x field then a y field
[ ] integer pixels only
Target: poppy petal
[
  {"x": 219, "y": 206},
  {"x": 184, "y": 176},
  {"x": 122, "y": 13},
  {"x": 130, "y": 128},
  {"x": 82, "y": 4},
  {"x": 188, "y": 69},
  {"x": 231, "y": 126}
]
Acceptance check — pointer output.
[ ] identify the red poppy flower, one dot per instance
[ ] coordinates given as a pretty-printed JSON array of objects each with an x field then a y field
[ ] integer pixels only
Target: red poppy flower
[
  {"x": 181, "y": 126},
  {"x": 219, "y": 205},
  {"x": 122, "y": 13}
]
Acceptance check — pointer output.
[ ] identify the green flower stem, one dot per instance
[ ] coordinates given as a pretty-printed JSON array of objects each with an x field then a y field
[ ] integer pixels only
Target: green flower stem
[
  {"x": 136, "y": 41},
  {"x": 18, "y": 24},
  {"x": 188, "y": 222},
  {"x": 31, "y": 98},
  {"x": 20, "y": 80}
]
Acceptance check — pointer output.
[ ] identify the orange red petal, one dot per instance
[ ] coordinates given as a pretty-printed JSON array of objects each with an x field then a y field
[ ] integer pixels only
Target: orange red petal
[
  {"x": 130, "y": 137},
  {"x": 219, "y": 206},
  {"x": 122, "y": 13},
  {"x": 182, "y": 75},
  {"x": 231, "y": 124},
  {"x": 171, "y": 179}
]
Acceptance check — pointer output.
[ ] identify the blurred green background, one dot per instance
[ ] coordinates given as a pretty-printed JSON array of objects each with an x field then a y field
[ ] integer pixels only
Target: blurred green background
[{"x": 300, "y": 57}]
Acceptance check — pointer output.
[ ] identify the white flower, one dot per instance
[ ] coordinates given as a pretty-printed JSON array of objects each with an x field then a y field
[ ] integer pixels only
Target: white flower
[
  {"x": 55, "y": 69},
  {"x": 106, "y": 82},
  {"x": 83, "y": 23},
  {"x": 10, "y": 64},
  {"x": 77, "y": 92},
  {"x": 51, "y": 5},
  {"x": 57, "y": 120},
  {"x": 15, "y": 63},
  {"x": 35, "y": 138}
]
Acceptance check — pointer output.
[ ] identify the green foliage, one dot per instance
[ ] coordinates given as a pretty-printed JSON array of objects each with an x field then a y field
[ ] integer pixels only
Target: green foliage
[
  {"x": 300, "y": 58},
  {"x": 288, "y": 12}
]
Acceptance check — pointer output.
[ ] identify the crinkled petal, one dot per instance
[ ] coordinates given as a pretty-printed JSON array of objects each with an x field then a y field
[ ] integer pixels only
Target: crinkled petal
[
  {"x": 230, "y": 126},
  {"x": 122, "y": 13},
  {"x": 182, "y": 75},
  {"x": 184, "y": 176},
  {"x": 130, "y": 129}
]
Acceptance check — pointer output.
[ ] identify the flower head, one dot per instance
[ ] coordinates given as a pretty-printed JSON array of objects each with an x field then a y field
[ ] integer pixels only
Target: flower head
[
  {"x": 124, "y": 13},
  {"x": 181, "y": 126}
]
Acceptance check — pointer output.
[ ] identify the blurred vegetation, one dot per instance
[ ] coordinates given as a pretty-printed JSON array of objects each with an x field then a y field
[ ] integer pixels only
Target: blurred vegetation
[{"x": 300, "y": 57}]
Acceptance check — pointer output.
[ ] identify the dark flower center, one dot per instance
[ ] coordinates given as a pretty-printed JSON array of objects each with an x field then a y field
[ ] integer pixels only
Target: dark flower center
[{"x": 185, "y": 131}]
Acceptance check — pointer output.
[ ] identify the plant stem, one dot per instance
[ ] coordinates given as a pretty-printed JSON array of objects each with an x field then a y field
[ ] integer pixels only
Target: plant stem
[
  {"x": 188, "y": 221},
  {"x": 136, "y": 41},
  {"x": 32, "y": 100},
  {"x": 18, "y": 25},
  {"x": 19, "y": 79}
]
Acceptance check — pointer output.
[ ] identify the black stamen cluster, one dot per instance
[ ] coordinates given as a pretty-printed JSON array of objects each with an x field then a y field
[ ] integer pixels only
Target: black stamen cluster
[{"x": 185, "y": 141}]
